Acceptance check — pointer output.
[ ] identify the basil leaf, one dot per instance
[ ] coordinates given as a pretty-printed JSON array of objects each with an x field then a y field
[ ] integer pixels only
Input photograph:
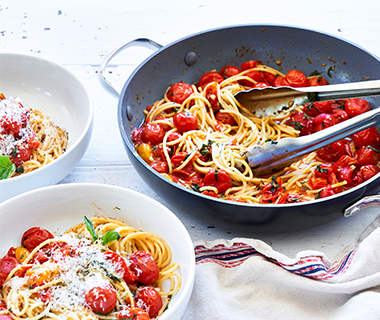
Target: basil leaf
[
  {"x": 110, "y": 235},
  {"x": 90, "y": 228},
  {"x": 6, "y": 167}
]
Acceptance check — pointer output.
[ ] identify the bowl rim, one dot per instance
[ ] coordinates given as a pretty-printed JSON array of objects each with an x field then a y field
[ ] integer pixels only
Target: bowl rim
[{"x": 86, "y": 129}]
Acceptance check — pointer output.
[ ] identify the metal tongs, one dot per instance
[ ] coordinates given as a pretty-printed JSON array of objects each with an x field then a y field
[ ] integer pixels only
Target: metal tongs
[{"x": 273, "y": 156}]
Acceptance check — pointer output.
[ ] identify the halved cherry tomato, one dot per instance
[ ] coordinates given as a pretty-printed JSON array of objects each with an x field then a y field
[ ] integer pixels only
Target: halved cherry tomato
[
  {"x": 185, "y": 121},
  {"x": 209, "y": 77},
  {"x": 145, "y": 267},
  {"x": 315, "y": 108},
  {"x": 153, "y": 133},
  {"x": 300, "y": 121},
  {"x": 281, "y": 82},
  {"x": 101, "y": 299},
  {"x": 367, "y": 155},
  {"x": 296, "y": 78},
  {"x": 272, "y": 190},
  {"x": 132, "y": 313},
  {"x": 218, "y": 179},
  {"x": 333, "y": 151},
  {"x": 160, "y": 166},
  {"x": 229, "y": 71},
  {"x": 225, "y": 118},
  {"x": 323, "y": 121},
  {"x": 179, "y": 92},
  {"x": 318, "y": 81},
  {"x": 149, "y": 300},
  {"x": 367, "y": 137},
  {"x": 250, "y": 64},
  {"x": 121, "y": 266},
  {"x": 356, "y": 106},
  {"x": 34, "y": 237}
]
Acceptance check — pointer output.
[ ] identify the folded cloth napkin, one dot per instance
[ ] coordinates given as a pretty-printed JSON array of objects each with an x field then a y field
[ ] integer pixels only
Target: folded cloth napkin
[{"x": 246, "y": 279}]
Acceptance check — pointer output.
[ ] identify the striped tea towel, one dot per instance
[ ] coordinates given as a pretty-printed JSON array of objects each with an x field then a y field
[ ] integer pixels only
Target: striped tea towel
[{"x": 246, "y": 279}]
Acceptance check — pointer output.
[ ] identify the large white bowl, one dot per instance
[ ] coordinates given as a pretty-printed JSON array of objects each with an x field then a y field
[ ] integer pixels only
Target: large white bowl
[
  {"x": 46, "y": 86},
  {"x": 60, "y": 207}
]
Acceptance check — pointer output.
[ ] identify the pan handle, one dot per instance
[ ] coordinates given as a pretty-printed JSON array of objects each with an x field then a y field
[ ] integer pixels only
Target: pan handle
[
  {"x": 105, "y": 83},
  {"x": 369, "y": 201}
]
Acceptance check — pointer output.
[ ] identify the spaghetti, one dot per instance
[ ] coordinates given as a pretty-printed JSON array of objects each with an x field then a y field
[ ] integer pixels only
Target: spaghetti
[
  {"x": 28, "y": 137},
  {"x": 198, "y": 136},
  {"x": 102, "y": 269}
]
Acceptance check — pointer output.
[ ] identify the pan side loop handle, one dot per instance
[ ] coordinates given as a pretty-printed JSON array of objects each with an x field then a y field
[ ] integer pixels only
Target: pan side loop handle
[
  {"x": 369, "y": 201},
  {"x": 104, "y": 81}
]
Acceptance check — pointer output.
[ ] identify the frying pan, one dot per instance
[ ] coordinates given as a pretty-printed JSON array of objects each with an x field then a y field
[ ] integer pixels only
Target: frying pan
[{"x": 279, "y": 46}]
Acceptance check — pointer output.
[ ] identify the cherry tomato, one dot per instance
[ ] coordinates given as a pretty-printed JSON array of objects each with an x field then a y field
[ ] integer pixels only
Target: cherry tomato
[
  {"x": 158, "y": 152},
  {"x": 101, "y": 299},
  {"x": 23, "y": 154},
  {"x": 327, "y": 192},
  {"x": 340, "y": 115},
  {"x": 218, "y": 179},
  {"x": 272, "y": 190},
  {"x": 256, "y": 76},
  {"x": 210, "y": 193},
  {"x": 323, "y": 121},
  {"x": 345, "y": 161},
  {"x": 34, "y": 237},
  {"x": 178, "y": 159},
  {"x": 261, "y": 85},
  {"x": 179, "y": 92},
  {"x": 229, "y": 71},
  {"x": 132, "y": 313},
  {"x": 368, "y": 171},
  {"x": 367, "y": 155},
  {"x": 7, "y": 264},
  {"x": 153, "y": 133},
  {"x": 290, "y": 198},
  {"x": 367, "y": 137},
  {"x": 250, "y": 64},
  {"x": 326, "y": 171},
  {"x": 225, "y": 118},
  {"x": 136, "y": 136},
  {"x": 269, "y": 78},
  {"x": 333, "y": 151},
  {"x": 185, "y": 121},
  {"x": 296, "y": 78},
  {"x": 209, "y": 77},
  {"x": 149, "y": 300},
  {"x": 172, "y": 137},
  {"x": 281, "y": 82},
  {"x": 160, "y": 166},
  {"x": 196, "y": 178},
  {"x": 145, "y": 267},
  {"x": 345, "y": 169},
  {"x": 33, "y": 142},
  {"x": 315, "y": 108},
  {"x": 317, "y": 183},
  {"x": 11, "y": 124},
  {"x": 300, "y": 121},
  {"x": 121, "y": 266},
  {"x": 356, "y": 106},
  {"x": 318, "y": 81}
]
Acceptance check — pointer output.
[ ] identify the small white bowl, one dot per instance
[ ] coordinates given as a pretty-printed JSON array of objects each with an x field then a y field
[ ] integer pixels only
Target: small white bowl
[
  {"x": 55, "y": 91},
  {"x": 59, "y": 207}
]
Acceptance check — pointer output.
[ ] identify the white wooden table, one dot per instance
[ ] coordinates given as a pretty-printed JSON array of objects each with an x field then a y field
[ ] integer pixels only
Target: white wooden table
[{"x": 80, "y": 34}]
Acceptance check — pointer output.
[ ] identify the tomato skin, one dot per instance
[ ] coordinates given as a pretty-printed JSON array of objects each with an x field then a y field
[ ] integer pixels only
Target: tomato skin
[
  {"x": 145, "y": 267},
  {"x": 160, "y": 166},
  {"x": 256, "y": 76},
  {"x": 209, "y": 77},
  {"x": 185, "y": 121},
  {"x": 218, "y": 179},
  {"x": 269, "y": 78},
  {"x": 301, "y": 122},
  {"x": 327, "y": 192},
  {"x": 367, "y": 155},
  {"x": 333, "y": 151},
  {"x": 367, "y": 137},
  {"x": 229, "y": 71},
  {"x": 101, "y": 299},
  {"x": 225, "y": 118},
  {"x": 290, "y": 198},
  {"x": 34, "y": 237},
  {"x": 132, "y": 313},
  {"x": 356, "y": 106},
  {"x": 179, "y": 92},
  {"x": 323, "y": 121},
  {"x": 281, "y": 82},
  {"x": 121, "y": 266},
  {"x": 368, "y": 171},
  {"x": 318, "y": 81},
  {"x": 318, "y": 183},
  {"x": 315, "y": 108},
  {"x": 136, "y": 136},
  {"x": 296, "y": 79},
  {"x": 340, "y": 115},
  {"x": 153, "y": 133},
  {"x": 178, "y": 158},
  {"x": 7, "y": 264},
  {"x": 149, "y": 300},
  {"x": 250, "y": 64}
]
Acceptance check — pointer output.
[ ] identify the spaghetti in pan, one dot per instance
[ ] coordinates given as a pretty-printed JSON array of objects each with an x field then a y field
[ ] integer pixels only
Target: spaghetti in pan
[
  {"x": 198, "y": 136},
  {"x": 100, "y": 269}
]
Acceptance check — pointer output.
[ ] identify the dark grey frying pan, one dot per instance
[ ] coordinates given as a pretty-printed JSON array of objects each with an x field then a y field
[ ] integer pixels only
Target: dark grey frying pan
[{"x": 188, "y": 58}]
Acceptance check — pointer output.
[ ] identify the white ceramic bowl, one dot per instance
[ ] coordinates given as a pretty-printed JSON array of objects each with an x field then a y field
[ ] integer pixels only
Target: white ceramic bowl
[
  {"x": 46, "y": 86},
  {"x": 60, "y": 207}
]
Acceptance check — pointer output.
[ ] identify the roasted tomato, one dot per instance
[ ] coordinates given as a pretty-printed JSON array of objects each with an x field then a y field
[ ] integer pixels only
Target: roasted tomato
[
  {"x": 318, "y": 183},
  {"x": 290, "y": 198},
  {"x": 185, "y": 121},
  {"x": 121, "y": 266},
  {"x": 218, "y": 179},
  {"x": 281, "y": 82},
  {"x": 356, "y": 106},
  {"x": 145, "y": 267},
  {"x": 367, "y": 155},
  {"x": 250, "y": 64},
  {"x": 333, "y": 151},
  {"x": 323, "y": 121},
  {"x": 315, "y": 108},
  {"x": 225, "y": 118},
  {"x": 101, "y": 299},
  {"x": 269, "y": 78},
  {"x": 160, "y": 166},
  {"x": 256, "y": 76},
  {"x": 20, "y": 154},
  {"x": 179, "y": 92},
  {"x": 34, "y": 237},
  {"x": 368, "y": 171},
  {"x": 340, "y": 115},
  {"x": 209, "y": 77},
  {"x": 296, "y": 78},
  {"x": 326, "y": 171},
  {"x": 229, "y": 71},
  {"x": 149, "y": 300},
  {"x": 153, "y": 133},
  {"x": 300, "y": 121},
  {"x": 318, "y": 81},
  {"x": 272, "y": 190},
  {"x": 327, "y": 192},
  {"x": 367, "y": 137}
]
